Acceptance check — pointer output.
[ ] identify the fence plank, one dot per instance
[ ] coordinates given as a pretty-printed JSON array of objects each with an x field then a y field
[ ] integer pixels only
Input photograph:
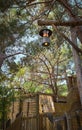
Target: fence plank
[{"x": 16, "y": 125}]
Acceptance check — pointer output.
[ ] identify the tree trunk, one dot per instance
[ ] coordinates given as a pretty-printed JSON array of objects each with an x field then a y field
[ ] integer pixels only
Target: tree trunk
[{"x": 77, "y": 61}]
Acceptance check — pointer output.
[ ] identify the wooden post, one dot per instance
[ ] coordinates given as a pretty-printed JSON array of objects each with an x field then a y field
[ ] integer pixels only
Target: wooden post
[
  {"x": 72, "y": 82},
  {"x": 67, "y": 122},
  {"x": 59, "y": 127},
  {"x": 58, "y": 23},
  {"x": 78, "y": 120},
  {"x": 37, "y": 116}
]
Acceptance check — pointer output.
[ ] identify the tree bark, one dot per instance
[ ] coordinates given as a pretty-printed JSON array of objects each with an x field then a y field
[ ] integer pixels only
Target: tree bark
[{"x": 77, "y": 61}]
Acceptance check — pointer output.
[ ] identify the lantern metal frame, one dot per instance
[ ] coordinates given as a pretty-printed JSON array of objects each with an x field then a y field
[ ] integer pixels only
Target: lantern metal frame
[{"x": 45, "y": 33}]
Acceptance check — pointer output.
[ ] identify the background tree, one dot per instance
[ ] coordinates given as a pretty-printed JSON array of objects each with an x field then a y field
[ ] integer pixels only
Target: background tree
[{"x": 19, "y": 31}]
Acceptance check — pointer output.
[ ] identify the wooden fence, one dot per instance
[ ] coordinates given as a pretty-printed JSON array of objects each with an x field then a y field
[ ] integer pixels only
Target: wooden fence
[
  {"x": 72, "y": 121},
  {"x": 31, "y": 123},
  {"x": 37, "y": 123},
  {"x": 69, "y": 121}
]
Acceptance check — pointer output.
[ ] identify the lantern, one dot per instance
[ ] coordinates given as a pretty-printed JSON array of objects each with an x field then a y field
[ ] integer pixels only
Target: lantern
[{"x": 45, "y": 33}]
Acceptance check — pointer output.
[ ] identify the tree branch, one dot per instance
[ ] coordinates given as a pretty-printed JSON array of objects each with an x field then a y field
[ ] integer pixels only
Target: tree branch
[
  {"x": 67, "y": 7},
  {"x": 78, "y": 4},
  {"x": 4, "y": 56},
  {"x": 67, "y": 39},
  {"x": 35, "y": 3}
]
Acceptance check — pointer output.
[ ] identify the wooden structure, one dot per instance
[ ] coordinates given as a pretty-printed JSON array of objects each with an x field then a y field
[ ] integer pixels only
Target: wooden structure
[
  {"x": 32, "y": 105},
  {"x": 69, "y": 116},
  {"x": 34, "y": 110},
  {"x": 41, "y": 112}
]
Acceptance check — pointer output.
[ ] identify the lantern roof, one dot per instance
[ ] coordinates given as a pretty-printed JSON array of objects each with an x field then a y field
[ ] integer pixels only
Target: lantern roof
[{"x": 46, "y": 30}]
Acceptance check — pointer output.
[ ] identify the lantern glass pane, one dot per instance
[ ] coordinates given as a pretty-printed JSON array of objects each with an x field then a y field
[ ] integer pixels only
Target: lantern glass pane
[{"x": 46, "y": 41}]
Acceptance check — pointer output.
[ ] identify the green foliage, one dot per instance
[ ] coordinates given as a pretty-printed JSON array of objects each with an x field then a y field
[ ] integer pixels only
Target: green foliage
[
  {"x": 6, "y": 97},
  {"x": 40, "y": 66}
]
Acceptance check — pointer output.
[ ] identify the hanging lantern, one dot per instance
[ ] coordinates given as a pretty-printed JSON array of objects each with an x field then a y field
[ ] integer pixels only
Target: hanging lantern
[{"x": 45, "y": 33}]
